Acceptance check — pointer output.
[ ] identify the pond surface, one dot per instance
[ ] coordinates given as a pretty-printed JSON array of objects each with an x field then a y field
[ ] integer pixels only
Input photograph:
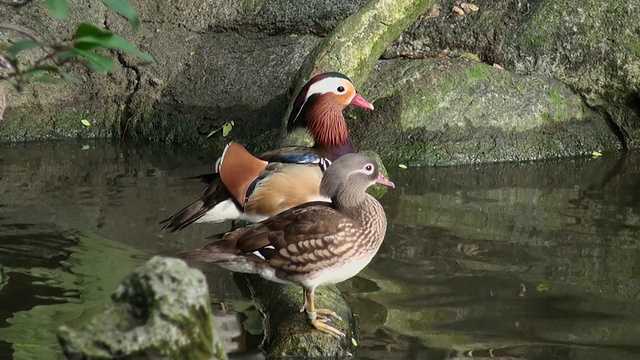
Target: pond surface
[{"x": 515, "y": 261}]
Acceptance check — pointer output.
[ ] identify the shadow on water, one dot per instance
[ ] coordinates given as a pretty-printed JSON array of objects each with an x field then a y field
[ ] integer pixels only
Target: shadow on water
[{"x": 514, "y": 261}]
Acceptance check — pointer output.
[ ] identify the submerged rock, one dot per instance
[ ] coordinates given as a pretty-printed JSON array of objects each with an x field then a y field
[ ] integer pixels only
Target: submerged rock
[{"x": 162, "y": 310}]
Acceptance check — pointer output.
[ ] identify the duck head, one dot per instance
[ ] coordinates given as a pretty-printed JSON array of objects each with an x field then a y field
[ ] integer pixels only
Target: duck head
[
  {"x": 347, "y": 179},
  {"x": 319, "y": 107}
]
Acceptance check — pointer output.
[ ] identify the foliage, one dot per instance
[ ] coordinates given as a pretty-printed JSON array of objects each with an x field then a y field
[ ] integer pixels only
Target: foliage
[
  {"x": 226, "y": 129},
  {"x": 85, "y": 47}
]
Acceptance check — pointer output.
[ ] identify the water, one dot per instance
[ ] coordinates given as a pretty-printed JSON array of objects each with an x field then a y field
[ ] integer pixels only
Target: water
[{"x": 516, "y": 261}]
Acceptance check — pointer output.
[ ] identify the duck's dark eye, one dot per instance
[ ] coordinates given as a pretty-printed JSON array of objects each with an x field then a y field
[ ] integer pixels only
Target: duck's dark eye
[
  {"x": 369, "y": 168},
  {"x": 340, "y": 89}
]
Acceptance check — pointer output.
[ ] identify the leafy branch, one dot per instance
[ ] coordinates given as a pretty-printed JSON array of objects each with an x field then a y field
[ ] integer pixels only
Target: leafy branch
[
  {"x": 226, "y": 129},
  {"x": 85, "y": 46}
]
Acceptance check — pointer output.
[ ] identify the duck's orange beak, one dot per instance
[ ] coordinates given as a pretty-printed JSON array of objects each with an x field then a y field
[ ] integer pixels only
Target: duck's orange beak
[{"x": 361, "y": 102}]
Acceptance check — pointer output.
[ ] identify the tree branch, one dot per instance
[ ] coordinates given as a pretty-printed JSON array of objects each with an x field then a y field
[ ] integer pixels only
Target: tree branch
[{"x": 20, "y": 30}]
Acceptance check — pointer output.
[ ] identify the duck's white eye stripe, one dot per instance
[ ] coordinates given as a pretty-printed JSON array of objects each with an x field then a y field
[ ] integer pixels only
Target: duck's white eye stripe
[{"x": 326, "y": 85}]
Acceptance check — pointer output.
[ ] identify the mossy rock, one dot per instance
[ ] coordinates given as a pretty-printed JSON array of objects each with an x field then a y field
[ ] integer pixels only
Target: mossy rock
[
  {"x": 161, "y": 310},
  {"x": 287, "y": 331},
  {"x": 452, "y": 111},
  {"x": 591, "y": 46}
]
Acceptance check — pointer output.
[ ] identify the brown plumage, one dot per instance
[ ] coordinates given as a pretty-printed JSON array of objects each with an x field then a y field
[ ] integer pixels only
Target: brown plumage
[
  {"x": 314, "y": 243},
  {"x": 250, "y": 189}
]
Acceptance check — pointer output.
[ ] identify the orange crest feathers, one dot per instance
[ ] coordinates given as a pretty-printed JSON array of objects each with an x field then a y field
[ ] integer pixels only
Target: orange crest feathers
[{"x": 238, "y": 168}]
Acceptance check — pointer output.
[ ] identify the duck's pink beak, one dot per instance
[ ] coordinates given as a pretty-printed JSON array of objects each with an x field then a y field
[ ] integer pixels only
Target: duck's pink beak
[
  {"x": 361, "y": 102},
  {"x": 382, "y": 180}
]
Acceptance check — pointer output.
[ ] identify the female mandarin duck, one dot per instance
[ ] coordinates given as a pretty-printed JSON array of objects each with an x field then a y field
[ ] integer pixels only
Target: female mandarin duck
[
  {"x": 251, "y": 189},
  {"x": 314, "y": 243}
]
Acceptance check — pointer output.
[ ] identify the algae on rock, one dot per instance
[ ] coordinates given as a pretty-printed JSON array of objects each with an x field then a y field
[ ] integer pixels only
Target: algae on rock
[
  {"x": 589, "y": 45},
  {"x": 161, "y": 310},
  {"x": 450, "y": 111},
  {"x": 287, "y": 331}
]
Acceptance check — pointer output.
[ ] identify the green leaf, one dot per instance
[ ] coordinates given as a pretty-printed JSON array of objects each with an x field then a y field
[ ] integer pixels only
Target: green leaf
[
  {"x": 46, "y": 79},
  {"x": 66, "y": 54},
  {"x": 542, "y": 287},
  {"x": 125, "y": 9},
  {"x": 94, "y": 61},
  {"x": 59, "y": 9},
  {"x": 33, "y": 72},
  {"x": 22, "y": 45},
  {"x": 402, "y": 166},
  {"x": 85, "y": 122},
  {"x": 86, "y": 29},
  {"x": 596, "y": 154},
  {"x": 87, "y": 46},
  {"x": 226, "y": 128},
  {"x": 69, "y": 77},
  {"x": 89, "y": 34}
]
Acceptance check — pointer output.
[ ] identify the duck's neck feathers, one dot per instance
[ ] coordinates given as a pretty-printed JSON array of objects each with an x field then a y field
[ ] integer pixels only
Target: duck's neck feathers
[{"x": 328, "y": 127}]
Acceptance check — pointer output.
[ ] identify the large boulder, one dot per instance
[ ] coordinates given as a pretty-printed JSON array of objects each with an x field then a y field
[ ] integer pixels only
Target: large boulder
[
  {"x": 451, "y": 111},
  {"x": 589, "y": 45}
]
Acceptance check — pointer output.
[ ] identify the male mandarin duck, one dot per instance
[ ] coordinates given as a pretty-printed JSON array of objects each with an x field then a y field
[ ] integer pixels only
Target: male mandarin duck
[
  {"x": 314, "y": 243},
  {"x": 252, "y": 189}
]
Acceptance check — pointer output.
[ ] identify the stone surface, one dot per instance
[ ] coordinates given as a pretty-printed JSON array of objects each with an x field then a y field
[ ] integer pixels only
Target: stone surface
[
  {"x": 287, "y": 331},
  {"x": 241, "y": 61},
  {"x": 591, "y": 46},
  {"x": 449, "y": 111},
  {"x": 162, "y": 310}
]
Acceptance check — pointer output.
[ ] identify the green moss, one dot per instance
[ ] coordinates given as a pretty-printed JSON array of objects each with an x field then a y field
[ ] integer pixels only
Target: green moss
[
  {"x": 478, "y": 72},
  {"x": 287, "y": 331},
  {"x": 156, "y": 127},
  {"x": 176, "y": 317},
  {"x": 634, "y": 46},
  {"x": 60, "y": 124},
  {"x": 537, "y": 39},
  {"x": 535, "y": 30},
  {"x": 556, "y": 99}
]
